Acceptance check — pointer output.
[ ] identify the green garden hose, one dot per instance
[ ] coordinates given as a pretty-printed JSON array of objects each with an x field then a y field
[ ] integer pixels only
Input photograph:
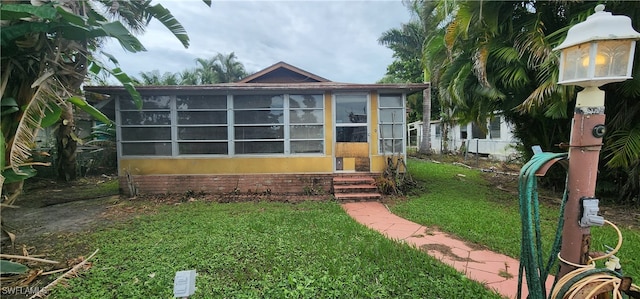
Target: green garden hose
[
  {"x": 586, "y": 279},
  {"x": 531, "y": 251}
]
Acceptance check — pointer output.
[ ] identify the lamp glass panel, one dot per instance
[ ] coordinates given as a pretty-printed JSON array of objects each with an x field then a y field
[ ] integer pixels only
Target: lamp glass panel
[
  {"x": 576, "y": 62},
  {"x": 612, "y": 58}
]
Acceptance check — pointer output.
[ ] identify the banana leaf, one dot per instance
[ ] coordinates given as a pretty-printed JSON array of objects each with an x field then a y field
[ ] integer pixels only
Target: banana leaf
[
  {"x": 11, "y": 176},
  {"x": 8, "y": 267}
]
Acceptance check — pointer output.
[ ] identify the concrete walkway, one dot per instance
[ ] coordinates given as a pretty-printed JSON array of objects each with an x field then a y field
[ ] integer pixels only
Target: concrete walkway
[{"x": 497, "y": 272}]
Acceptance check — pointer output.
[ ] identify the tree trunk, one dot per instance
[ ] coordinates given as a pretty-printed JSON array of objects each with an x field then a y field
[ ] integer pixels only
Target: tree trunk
[
  {"x": 425, "y": 143},
  {"x": 71, "y": 74},
  {"x": 66, "y": 145},
  {"x": 445, "y": 138}
]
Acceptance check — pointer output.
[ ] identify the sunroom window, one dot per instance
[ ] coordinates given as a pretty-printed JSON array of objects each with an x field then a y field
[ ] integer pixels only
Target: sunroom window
[
  {"x": 391, "y": 122},
  {"x": 202, "y": 125},
  {"x": 185, "y": 125},
  {"x": 351, "y": 118},
  {"x": 146, "y": 131},
  {"x": 258, "y": 124},
  {"x": 306, "y": 124}
]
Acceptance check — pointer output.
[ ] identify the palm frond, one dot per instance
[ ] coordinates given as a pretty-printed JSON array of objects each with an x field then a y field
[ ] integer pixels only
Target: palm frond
[
  {"x": 457, "y": 86},
  {"x": 513, "y": 76},
  {"x": 548, "y": 90},
  {"x": 556, "y": 109},
  {"x": 49, "y": 93},
  {"x": 631, "y": 88},
  {"x": 480, "y": 57},
  {"x": 534, "y": 44},
  {"x": 627, "y": 115},
  {"x": 505, "y": 54},
  {"x": 490, "y": 93},
  {"x": 624, "y": 148},
  {"x": 450, "y": 35},
  {"x": 391, "y": 37},
  {"x": 465, "y": 17},
  {"x": 538, "y": 96}
]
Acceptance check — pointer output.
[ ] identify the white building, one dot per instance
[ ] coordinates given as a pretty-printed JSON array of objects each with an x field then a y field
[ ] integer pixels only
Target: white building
[{"x": 497, "y": 143}]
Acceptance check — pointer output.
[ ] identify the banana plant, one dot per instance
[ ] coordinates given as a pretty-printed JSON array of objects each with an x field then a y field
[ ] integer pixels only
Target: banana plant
[{"x": 47, "y": 49}]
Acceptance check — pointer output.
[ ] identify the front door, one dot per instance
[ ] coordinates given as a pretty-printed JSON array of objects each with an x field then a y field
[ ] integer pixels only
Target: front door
[{"x": 351, "y": 138}]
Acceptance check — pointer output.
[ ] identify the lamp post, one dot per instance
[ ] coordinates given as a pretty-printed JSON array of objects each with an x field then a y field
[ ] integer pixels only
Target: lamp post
[{"x": 595, "y": 52}]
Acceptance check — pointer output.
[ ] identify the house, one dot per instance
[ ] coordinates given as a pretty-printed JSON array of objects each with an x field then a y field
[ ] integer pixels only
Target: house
[
  {"x": 281, "y": 130},
  {"x": 496, "y": 141}
]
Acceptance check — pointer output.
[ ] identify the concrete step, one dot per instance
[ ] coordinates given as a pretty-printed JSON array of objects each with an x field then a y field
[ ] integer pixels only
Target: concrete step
[
  {"x": 360, "y": 188},
  {"x": 348, "y": 197},
  {"x": 353, "y": 180},
  {"x": 355, "y": 187}
]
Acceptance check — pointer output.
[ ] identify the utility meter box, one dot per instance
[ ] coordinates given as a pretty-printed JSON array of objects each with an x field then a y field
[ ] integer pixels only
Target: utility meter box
[
  {"x": 590, "y": 217},
  {"x": 184, "y": 284}
]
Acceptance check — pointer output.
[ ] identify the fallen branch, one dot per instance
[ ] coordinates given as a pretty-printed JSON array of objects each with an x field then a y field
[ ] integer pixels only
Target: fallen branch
[
  {"x": 21, "y": 257},
  {"x": 54, "y": 271},
  {"x": 499, "y": 172},
  {"x": 32, "y": 276},
  {"x": 463, "y": 165},
  {"x": 43, "y": 292},
  {"x": 8, "y": 278},
  {"x": 4, "y": 205}
]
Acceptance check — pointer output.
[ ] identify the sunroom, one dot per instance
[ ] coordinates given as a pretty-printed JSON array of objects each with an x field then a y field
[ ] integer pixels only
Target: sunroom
[{"x": 282, "y": 130}]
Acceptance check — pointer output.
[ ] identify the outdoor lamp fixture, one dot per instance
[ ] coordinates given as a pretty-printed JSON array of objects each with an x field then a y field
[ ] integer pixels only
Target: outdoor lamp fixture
[
  {"x": 595, "y": 52},
  {"x": 598, "y": 51}
]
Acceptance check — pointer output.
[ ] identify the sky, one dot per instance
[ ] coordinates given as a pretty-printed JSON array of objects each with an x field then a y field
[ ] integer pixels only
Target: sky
[{"x": 337, "y": 40}]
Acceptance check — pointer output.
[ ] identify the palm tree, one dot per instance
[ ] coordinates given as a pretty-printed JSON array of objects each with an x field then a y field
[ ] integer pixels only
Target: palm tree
[
  {"x": 189, "y": 77},
  {"x": 228, "y": 68},
  {"x": 409, "y": 66},
  {"x": 205, "y": 71},
  {"x": 155, "y": 78},
  {"x": 220, "y": 69},
  {"x": 407, "y": 45},
  {"x": 499, "y": 58}
]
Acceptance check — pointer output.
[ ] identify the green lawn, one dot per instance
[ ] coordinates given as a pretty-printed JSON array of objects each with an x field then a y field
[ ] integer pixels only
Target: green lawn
[
  {"x": 261, "y": 250},
  {"x": 311, "y": 249},
  {"x": 459, "y": 201}
]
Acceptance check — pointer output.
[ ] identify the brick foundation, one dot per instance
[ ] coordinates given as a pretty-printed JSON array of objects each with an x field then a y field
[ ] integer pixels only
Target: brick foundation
[{"x": 229, "y": 184}]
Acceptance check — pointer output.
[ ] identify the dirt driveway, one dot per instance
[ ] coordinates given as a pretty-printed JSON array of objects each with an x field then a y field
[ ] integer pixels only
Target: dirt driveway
[
  {"x": 32, "y": 223},
  {"x": 47, "y": 207}
]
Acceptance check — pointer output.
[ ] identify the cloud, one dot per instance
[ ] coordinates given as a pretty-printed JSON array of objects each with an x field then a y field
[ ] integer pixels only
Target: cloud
[{"x": 333, "y": 39}]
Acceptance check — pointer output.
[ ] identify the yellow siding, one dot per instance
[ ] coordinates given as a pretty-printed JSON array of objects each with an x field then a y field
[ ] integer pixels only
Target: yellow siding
[
  {"x": 374, "y": 124},
  {"x": 352, "y": 149},
  {"x": 378, "y": 163},
  {"x": 349, "y": 164},
  {"x": 328, "y": 124},
  {"x": 233, "y": 165}
]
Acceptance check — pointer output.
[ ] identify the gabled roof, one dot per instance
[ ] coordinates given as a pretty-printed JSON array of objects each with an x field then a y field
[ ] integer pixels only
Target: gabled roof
[
  {"x": 282, "y": 72},
  {"x": 280, "y": 77}
]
